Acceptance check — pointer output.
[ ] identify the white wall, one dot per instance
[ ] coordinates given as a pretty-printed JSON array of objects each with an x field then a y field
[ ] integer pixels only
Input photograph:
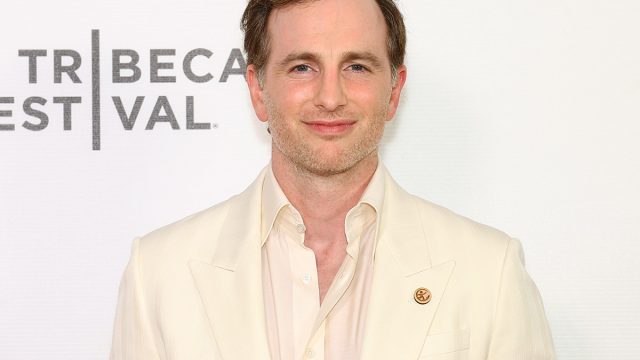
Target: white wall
[{"x": 523, "y": 115}]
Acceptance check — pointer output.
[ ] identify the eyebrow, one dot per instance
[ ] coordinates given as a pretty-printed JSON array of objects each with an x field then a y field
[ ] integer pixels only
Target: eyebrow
[
  {"x": 364, "y": 56},
  {"x": 296, "y": 56},
  {"x": 349, "y": 56}
]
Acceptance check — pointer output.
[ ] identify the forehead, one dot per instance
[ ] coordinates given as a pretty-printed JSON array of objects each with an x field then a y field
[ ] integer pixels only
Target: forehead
[{"x": 328, "y": 28}]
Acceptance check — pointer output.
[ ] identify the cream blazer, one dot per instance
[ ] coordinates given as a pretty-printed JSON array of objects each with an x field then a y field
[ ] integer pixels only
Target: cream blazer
[{"x": 193, "y": 290}]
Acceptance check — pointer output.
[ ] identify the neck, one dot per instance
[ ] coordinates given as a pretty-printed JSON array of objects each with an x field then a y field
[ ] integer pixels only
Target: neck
[{"x": 319, "y": 198}]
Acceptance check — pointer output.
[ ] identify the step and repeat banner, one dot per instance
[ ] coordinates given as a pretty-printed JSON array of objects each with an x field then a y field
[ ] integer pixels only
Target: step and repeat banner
[{"x": 118, "y": 117}]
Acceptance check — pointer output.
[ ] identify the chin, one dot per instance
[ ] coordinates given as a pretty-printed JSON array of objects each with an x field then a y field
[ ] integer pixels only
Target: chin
[
  {"x": 326, "y": 171},
  {"x": 330, "y": 166}
]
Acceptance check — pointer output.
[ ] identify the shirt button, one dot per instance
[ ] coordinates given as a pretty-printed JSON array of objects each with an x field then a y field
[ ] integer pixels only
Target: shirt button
[
  {"x": 310, "y": 354},
  {"x": 306, "y": 279},
  {"x": 300, "y": 228}
]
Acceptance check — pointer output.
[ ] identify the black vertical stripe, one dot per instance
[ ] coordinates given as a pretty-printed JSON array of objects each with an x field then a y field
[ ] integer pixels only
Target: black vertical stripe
[{"x": 95, "y": 87}]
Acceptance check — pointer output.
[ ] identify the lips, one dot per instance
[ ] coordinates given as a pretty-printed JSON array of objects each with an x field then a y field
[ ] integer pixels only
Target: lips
[{"x": 330, "y": 127}]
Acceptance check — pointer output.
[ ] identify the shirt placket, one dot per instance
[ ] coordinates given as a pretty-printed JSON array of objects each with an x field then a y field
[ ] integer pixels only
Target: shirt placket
[
  {"x": 306, "y": 303},
  {"x": 338, "y": 289}
]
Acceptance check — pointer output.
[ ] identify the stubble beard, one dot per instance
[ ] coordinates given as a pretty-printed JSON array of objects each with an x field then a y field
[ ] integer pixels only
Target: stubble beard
[{"x": 289, "y": 141}]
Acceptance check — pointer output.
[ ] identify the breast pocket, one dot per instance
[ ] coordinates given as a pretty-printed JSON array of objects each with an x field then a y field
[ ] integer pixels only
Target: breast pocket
[{"x": 446, "y": 346}]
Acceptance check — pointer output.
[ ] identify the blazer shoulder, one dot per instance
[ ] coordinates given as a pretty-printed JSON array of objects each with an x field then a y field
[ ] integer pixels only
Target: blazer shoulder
[
  {"x": 449, "y": 233},
  {"x": 185, "y": 236},
  {"x": 189, "y": 237},
  {"x": 197, "y": 235}
]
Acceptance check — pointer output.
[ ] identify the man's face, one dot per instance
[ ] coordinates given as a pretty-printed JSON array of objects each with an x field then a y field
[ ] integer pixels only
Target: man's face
[{"x": 328, "y": 88}]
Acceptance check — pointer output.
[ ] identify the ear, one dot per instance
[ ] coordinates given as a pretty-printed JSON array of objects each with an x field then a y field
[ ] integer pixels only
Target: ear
[
  {"x": 257, "y": 93},
  {"x": 394, "y": 100}
]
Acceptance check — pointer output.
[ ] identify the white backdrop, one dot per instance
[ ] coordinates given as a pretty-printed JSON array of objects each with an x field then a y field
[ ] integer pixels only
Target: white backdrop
[{"x": 523, "y": 115}]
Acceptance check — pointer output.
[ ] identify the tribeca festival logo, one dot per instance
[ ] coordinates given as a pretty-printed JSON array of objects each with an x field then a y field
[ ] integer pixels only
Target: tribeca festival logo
[{"x": 125, "y": 68}]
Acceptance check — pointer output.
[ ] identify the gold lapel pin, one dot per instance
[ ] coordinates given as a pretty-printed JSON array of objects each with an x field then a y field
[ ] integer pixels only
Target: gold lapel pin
[{"x": 422, "y": 296}]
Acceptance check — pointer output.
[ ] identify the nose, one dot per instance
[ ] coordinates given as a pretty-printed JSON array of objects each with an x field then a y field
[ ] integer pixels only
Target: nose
[{"x": 330, "y": 94}]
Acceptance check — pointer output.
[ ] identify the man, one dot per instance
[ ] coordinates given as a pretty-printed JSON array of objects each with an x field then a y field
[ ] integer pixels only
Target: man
[{"x": 324, "y": 256}]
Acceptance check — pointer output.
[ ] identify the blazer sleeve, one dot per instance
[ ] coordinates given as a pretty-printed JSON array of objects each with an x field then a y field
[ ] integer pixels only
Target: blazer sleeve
[
  {"x": 520, "y": 331},
  {"x": 132, "y": 333}
]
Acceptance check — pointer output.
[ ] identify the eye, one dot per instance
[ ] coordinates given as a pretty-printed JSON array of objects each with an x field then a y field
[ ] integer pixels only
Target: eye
[
  {"x": 358, "y": 68},
  {"x": 302, "y": 68}
]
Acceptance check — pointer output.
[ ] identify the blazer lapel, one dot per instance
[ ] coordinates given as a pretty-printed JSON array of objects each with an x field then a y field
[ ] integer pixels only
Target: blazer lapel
[
  {"x": 397, "y": 325},
  {"x": 230, "y": 286}
]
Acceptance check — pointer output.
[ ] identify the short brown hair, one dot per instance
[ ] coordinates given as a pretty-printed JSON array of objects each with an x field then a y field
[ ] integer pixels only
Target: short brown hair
[{"x": 256, "y": 37}]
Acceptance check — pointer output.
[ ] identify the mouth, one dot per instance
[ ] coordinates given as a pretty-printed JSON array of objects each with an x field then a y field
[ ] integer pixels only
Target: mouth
[{"x": 330, "y": 127}]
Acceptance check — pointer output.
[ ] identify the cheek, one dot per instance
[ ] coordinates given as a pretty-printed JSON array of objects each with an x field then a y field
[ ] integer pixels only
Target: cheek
[
  {"x": 371, "y": 97},
  {"x": 294, "y": 93}
]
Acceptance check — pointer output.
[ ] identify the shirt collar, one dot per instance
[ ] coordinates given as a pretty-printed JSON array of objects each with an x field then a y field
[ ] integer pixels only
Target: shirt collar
[
  {"x": 374, "y": 193},
  {"x": 274, "y": 199}
]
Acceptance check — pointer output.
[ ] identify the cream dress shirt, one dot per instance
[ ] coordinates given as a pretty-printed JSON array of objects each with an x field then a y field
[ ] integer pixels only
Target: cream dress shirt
[{"x": 298, "y": 326}]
